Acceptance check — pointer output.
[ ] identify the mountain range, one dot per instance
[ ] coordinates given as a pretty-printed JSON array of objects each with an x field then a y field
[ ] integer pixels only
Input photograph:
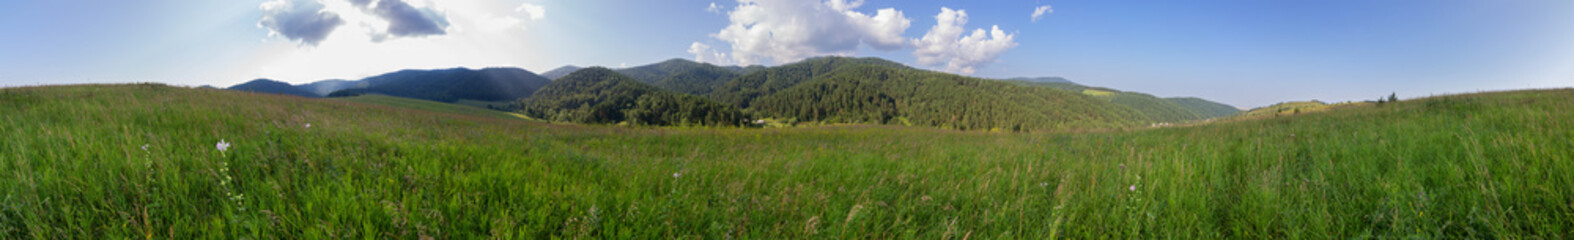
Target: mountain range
[{"x": 821, "y": 90}]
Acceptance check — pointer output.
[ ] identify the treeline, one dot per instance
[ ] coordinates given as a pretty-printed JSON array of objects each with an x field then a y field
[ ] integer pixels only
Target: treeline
[
  {"x": 600, "y": 95},
  {"x": 872, "y": 93},
  {"x": 844, "y": 90}
]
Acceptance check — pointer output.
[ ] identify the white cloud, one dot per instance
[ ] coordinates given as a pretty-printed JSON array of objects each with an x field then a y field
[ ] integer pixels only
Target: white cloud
[
  {"x": 1040, "y": 11},
  {"x": 790, "y": 30},
  {"x": 713, "y": 8},
  {"x": 944, "y": 45},
  {"x": 703, "y": 53},
  {"x": 536, "y": 12}
]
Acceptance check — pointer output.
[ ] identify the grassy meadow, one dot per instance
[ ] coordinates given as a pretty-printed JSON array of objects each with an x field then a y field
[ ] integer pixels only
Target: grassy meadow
[{"x": 140, "y": 161}]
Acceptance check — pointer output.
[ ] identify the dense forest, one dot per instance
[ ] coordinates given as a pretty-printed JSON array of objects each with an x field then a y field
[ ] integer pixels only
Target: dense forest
[
  {"x": 876, "y": 93},
  {"x": 742, "y": 91},
  {"x": 600, "y": 95}
]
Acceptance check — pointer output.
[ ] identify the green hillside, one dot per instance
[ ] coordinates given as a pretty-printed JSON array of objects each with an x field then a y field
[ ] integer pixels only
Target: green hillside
[
  {"x": 1208, "y": 109},
  {"x": 1154, "y": 109},
  {"x": 425, "y": 105},
  {"x": 1478, "y": 166},
  {"x": 600, "y": 95},
  {"x": 864, "y": 93},
  {"x": 1288, "y": 108}
]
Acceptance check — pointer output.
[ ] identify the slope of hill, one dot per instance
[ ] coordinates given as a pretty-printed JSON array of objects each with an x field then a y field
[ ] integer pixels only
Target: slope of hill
[
  {"x": 431, "y": 106},
  {"x": 450, "y": 85},
  {"x": 1208, "y": 109},
  {"x": 1154, "y": 108},
  {"x": 600, "y": 95},
  {"x": 682, "y": 75},
  {"x": 868, "y": 93},
  {"x": 1297, "y": 107},
  {"x": 139, "y": 161},
  {"x": 271, "y": 86},
  {"x": 559, "y": 72},
  {"x": 743, "y": 90}
]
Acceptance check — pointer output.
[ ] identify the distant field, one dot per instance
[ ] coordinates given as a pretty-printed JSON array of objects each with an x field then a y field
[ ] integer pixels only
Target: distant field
[
  {"x": 432, "y": 106},
  {"x": 1489, "y": 165}
]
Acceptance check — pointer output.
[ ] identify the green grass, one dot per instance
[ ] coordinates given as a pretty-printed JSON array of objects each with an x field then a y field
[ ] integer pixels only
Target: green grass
[
  {"x": 432, "y": 106},
  {"x": 1491, "y": 165}
]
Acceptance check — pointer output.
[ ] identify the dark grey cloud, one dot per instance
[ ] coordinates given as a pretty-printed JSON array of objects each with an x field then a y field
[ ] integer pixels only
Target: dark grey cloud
[
  {"x": 360, "y": 3},
  {"x": 405, "y": 20},
  {"x": 299, "y": 20}
]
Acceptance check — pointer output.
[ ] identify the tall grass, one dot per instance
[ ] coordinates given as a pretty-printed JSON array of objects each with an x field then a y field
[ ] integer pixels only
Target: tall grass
[{"x": 1491, "y": 165}]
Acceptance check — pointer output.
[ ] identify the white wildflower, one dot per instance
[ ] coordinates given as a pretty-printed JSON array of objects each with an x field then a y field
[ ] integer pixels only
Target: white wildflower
[
  {"x": 222, "y": 145},
  {"x": 1132, "y": 188},
  {"x": 676, "y": 175},
  {"x": 308, "y": 125}
]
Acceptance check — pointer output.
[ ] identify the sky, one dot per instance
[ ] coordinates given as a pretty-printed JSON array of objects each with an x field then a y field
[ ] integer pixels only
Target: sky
[{"x": 1247, "y": 53}]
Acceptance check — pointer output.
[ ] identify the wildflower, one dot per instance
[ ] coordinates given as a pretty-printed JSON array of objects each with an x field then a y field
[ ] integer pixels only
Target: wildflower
[
  {"x": 308, "y": 125},
  {"x": 1132, "y": 188},
  {"x": 144, "y": 147},
  {"x": 676, "y": 175},
  {"x": 222, "y": 145}
]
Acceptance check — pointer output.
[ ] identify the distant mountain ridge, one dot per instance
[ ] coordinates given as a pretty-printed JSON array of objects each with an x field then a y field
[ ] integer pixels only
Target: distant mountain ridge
[
  {"x": 263, "y": 85},
  {"x": 443, "y": 85},
  {"x": 325, "y": 87},
  {"x": 820, "y": 90},
  {"x": 559, "y": 72},
  {"x": 449, "y": 85},
  {"x": 682, "y": 75}
]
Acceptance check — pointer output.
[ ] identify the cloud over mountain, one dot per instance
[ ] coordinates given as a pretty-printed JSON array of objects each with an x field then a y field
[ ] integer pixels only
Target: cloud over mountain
[
  {"x": 405, "y": 20},
  {"x": 790, "y": 30},
  {"x": 944, "y": 46},
  {"x": 299, "y": 20}
]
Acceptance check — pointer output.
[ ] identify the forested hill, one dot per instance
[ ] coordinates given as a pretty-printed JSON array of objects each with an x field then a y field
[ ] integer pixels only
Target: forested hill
[
  {"x": 1154, "y": 108},
  {"x": 743, "y": 90},
  {"x": 271, "y": 86},
  {"x": 884, "y": 94},
  {"x": 600, "y": 95},
  {"x": 449, "y": 85},
  {"x": 682, "y": 75}
]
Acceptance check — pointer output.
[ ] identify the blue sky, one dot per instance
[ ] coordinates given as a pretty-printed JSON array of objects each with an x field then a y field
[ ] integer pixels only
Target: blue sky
[{"x": 1245, "y": 53}]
